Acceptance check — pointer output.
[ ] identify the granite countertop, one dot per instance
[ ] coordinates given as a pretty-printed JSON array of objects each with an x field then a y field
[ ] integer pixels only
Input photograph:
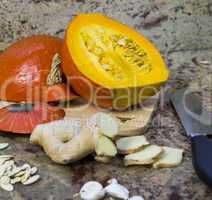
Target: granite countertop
[{"x": 182, "y": 30}]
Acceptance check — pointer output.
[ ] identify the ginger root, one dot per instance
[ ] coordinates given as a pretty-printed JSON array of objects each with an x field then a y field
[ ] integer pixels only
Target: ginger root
[
  {"x": 63, "y": 146},
  {"x": 65, "y": 142}
]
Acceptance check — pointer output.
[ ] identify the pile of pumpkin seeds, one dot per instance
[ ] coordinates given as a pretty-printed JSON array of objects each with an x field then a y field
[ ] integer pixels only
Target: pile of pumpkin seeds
[{"x": 10, "y": 173}]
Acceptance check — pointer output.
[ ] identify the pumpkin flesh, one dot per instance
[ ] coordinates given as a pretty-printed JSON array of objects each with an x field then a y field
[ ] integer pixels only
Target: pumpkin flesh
[{"x": 111, "y": 55}]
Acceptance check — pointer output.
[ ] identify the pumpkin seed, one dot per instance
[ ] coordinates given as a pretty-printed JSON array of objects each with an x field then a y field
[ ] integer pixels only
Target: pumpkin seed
[
  {"x": 11, "y": 174},
  {"x": 2, "y": 170},
  {"x": 5, "y": 180},
  {"x": 33, "y": 170},
  {"x": 7, "y": 187},
  {"x": 19, "y": 174},
  {"x": 204, "y": 62},
  {"x": 99, "y": 42},
  {"x": 3, "y": 160},
  {"x": 32, "y": 180},
  {"x": 26, "y": 176},
  {"x": 8, "y": 170},
  {"x": 122, "y": 42},
  {"x": 3, "y": 146},
  {"x": 9, "y": 163},
  {"x": 16, "y": 171},
  {"x": 6, "y": 156},
  {"x": 15, "y": 180},
  {"x": 25, "y": 166}
]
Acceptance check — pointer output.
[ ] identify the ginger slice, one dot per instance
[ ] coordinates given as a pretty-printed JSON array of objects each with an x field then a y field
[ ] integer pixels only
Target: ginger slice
[
  {"x": 171, "y": 157},
  {"x": 105, "y": 147},
  {"x": 132, "y": 144},
  {"x": 107, "y": 125},
  {"x": 103, "y": 159},
  {"x": 144, "y": 157}
]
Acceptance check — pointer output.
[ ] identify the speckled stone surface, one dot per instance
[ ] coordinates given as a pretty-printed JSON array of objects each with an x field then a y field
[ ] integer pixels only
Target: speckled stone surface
[{"x": 182, "y": 30}]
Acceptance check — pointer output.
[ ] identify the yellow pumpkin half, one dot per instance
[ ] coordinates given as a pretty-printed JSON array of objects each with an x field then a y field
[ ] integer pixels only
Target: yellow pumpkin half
[{"x": 110, "y": 63}]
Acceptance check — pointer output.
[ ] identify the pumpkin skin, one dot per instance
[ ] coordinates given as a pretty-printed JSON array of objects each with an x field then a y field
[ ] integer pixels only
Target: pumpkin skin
[
  {"x": 137, "y": 70},
  {"x": 13, "y": 115},
  {"x": 24, "y": 68}
]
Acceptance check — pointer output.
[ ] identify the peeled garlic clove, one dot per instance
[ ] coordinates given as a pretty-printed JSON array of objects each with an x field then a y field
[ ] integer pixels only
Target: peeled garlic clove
[
  {"x": 136, "y": 198},
  {"x": 92, "y": 190},
  {"x": 117, "y": 191},
  {"x": 113, "y": 180}
]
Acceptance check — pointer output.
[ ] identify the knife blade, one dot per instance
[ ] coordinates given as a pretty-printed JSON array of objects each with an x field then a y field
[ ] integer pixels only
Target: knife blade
[
  {"x": 197, "y": 123},
  {"x": 195, "y": 119}
]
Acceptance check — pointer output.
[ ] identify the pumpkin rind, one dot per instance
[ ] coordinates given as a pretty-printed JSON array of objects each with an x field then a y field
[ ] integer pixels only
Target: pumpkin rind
[
  {"x": 24, "y": 69},
  {"x": 80, "y": 65},
  {"x": 23, "y": 122}
]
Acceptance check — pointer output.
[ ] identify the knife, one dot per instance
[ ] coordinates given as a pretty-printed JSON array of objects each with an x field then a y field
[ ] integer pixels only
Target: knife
[{"x": 198, "y": 125}]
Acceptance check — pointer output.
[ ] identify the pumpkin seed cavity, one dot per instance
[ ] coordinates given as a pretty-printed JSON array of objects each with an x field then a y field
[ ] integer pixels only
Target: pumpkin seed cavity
[{"x": 118, "y": 55}]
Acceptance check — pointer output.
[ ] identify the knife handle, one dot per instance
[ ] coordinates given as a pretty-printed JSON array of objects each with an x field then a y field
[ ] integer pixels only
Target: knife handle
[{"x": 202, "y": 158}]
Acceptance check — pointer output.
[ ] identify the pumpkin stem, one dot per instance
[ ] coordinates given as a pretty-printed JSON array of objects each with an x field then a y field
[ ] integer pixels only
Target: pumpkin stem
[{"x": 55, "y": 75}]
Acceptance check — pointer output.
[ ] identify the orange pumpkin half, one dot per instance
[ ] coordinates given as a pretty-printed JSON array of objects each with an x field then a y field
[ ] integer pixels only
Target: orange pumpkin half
[
  {"x": 30, "y": 71},
  {"x": 109, "y": 63},
  {"x": 22, "y": 118}
]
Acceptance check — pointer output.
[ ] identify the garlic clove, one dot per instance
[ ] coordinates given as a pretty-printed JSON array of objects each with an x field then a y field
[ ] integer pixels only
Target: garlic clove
[
  {"x": 117, "y": 191},
  {"x": 136, "y": 198},
  {"x": 92, "y": 190},
  {"x": 112, "y": 180}
]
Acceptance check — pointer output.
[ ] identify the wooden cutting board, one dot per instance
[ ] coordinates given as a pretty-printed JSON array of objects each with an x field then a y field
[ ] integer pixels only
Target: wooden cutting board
[{"x": 132, "y": 122}]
